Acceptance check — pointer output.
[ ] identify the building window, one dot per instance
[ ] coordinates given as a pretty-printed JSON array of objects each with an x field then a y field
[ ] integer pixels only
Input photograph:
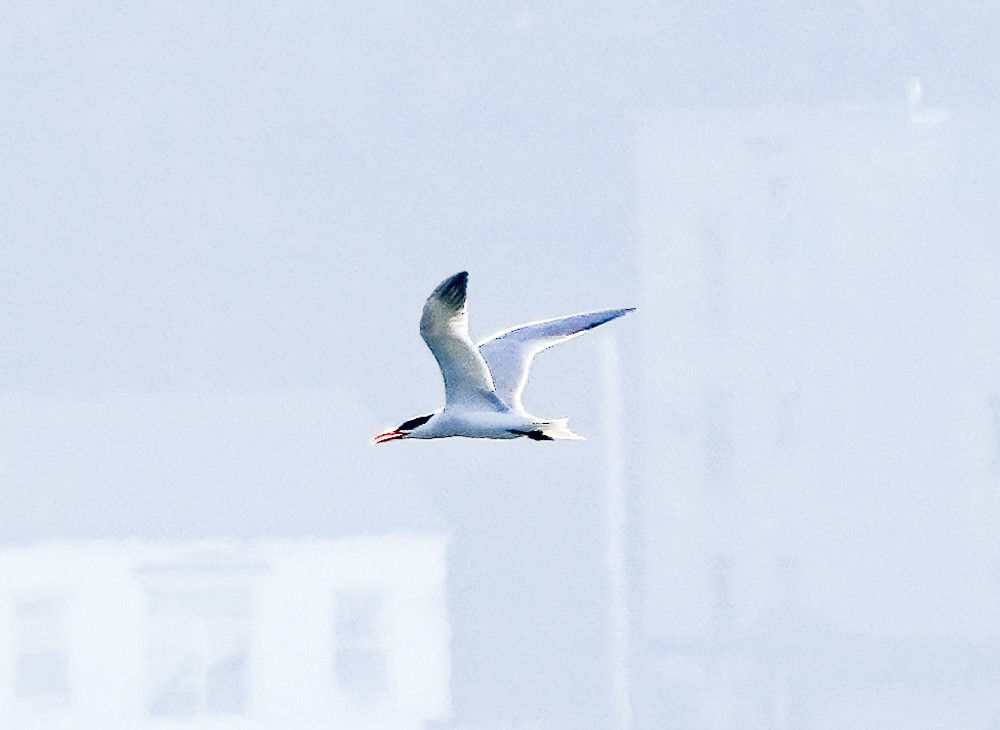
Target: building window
[
  {"x": 780, "y": 227},
  {"x": 713, "y": 246},
  {"x": 722, "y": 591},
  {"x": 787, "y": 405},
  {"x": 41, "y": 672},
  {"x": 359, "y": 643},
  {"x": 994, "y": 407},
  {"x": 718, "y": 439},
  {"x": 198, "y": 646}
]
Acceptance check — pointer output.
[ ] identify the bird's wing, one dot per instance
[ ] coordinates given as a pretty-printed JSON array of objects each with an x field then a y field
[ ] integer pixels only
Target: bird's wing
[
  {"x": 444, "y": 326},
  {"x": 509, "y": 354}
]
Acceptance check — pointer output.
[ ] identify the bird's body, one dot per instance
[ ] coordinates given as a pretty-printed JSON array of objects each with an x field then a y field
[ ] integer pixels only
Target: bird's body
[
  {"x": 473, "y": 423},
  {"x": 483, "y": 383}
]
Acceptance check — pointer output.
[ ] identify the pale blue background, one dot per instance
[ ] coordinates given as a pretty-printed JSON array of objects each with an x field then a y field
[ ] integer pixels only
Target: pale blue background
[{"x": 205, "y": 203}]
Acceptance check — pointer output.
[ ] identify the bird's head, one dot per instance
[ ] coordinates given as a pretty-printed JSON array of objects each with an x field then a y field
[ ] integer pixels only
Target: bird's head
[{"x": 403, "y": 430}]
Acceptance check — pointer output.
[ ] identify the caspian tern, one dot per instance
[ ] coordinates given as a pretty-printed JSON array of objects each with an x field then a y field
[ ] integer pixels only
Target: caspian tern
[{"x": 483, "y": 383}]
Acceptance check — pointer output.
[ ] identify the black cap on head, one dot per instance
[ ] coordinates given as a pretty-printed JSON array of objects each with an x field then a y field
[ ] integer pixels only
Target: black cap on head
[{"x": 414, "y": 422}]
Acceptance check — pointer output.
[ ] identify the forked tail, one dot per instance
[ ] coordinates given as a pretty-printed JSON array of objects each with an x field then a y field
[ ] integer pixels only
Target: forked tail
[{"x": 556, "y": 429}]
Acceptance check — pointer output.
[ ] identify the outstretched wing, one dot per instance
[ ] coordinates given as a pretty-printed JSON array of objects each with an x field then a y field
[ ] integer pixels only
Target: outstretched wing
[
  {"x": 444, "y": 326},
  {"x": 509, "y": 353}
]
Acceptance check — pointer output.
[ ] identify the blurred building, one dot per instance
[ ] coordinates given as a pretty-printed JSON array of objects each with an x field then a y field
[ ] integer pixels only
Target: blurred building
[
  {"x": 135, "y": 596},
  {"x": 257, "y": 634},
  {"x": 818, "y": 543}
]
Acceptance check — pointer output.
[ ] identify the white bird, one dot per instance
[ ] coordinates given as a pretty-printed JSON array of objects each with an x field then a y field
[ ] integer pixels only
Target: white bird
[{"x": 483, "y": 383}]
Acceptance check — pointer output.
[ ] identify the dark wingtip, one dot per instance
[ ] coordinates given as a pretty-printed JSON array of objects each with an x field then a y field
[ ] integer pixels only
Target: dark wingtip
[
  {"x": 452, "y": 291},
  {"x": 616, "y": 313},
  {"x": 609, "y": 315}
]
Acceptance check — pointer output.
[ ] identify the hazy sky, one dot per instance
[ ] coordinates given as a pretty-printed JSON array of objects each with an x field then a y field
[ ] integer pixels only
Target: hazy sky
[
  {"x": 236, "y": 196},
  {"x": 219, "y": 221}
]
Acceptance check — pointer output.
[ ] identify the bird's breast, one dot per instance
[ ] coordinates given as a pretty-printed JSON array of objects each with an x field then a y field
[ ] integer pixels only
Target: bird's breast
[{"x": 480, "y": 424}]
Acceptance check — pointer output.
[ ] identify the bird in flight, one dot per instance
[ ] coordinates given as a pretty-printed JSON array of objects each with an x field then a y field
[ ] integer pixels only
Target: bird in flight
[{"x": 483, "y": 383}]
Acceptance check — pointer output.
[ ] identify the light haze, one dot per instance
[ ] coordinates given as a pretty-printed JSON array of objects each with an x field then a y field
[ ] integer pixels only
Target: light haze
[{"x": 218, "y": 224}]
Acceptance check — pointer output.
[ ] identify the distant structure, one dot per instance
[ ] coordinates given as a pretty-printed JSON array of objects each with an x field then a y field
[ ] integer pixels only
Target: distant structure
[
  {"x": 255, "y": 634},
  {"x": 212, "y": 612},
  {"x": 818, "y": 506}
]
